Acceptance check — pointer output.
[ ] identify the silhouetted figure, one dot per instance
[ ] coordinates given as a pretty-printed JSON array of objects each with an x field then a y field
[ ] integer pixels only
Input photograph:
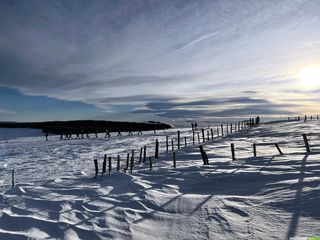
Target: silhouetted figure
[
  {"x": 305, "y": 118},
  {"x": 195, "y": 125},
  {"x": 107, "y": 133},
  {"x": 192, "y": 126},
  {"x": 257, "y": 120},
  {"x": 46, "y": 136}
]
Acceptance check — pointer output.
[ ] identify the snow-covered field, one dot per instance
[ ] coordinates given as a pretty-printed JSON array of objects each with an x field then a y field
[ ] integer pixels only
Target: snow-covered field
[{"x": 270, "y": 196}]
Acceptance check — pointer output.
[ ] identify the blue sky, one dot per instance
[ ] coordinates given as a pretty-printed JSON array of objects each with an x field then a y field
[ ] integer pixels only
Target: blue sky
[{"x": 144, "y": 60}]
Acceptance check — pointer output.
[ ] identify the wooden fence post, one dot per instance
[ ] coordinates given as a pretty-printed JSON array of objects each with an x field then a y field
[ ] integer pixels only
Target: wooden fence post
[
  {"x": 227, "y": 129},
  {"x": 132, "y": 161},
  {"x": 185, "y": 141},
  {"x": 254, "y": 150},
  {"x": 174, "y": 159},
  {"x": 104, "y": 165},
  {"x": 144, "y": 153},
  {"x": 211, "y": 133},
  {"x": 208, "y": 135},
  {"x": 232, "y": 152},
  {"x": 221, "y": 130},
  {"x": 140, "y": 158},
  {"x": 178, "y": 139},
  {"x": 202, "y": 131},
  {"x": 167, "y": 144},
  {"x": 192, "y": 137},
  {"x": 204, "y": 156},
  {"x": 150, "y": 161},
  {"x": 306, "y": 142},
  {"x": 12, "y": 178},
  {"x": 231, "y": 128},
  {"x": 128, "y": 157},
  {"x": 172, "y": 146},
  {"x": 118, "y": 163},
  {"x": 156, "y": 154},
  {"x": 96, "y": 166},
  {"x": 110, "y": 165},
  {"x": 198, "y": 137}
]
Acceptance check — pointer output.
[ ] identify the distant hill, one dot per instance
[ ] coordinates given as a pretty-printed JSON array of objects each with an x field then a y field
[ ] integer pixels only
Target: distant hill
[{"x": 87, "y": 126}]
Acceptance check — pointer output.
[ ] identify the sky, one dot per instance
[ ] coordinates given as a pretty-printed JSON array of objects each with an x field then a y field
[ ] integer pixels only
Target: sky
[{"x": 157, "y": 60}]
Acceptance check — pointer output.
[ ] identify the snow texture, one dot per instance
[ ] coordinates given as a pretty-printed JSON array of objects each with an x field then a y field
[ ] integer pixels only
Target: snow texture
[{"x": 270, "y": 196}]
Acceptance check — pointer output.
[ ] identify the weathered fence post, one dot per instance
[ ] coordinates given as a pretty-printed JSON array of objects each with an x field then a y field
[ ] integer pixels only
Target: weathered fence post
[
  {"x": 178, "y": 139},
  {"x": 118, "y": 163},
  {"x": 156, "y": 154},
  {"x": 185, "y": 141},
  {"x": 132, "y": 161},
  {"x": 208, "y": 135},
  {"x": 12, "y": 178},
  {"x": 221, "y": 130},
  {"x": 150, "y": 161},
  {"x": 144, "y": 153},
  {"x": 204, "y": 156},
  {"x": 104, "y": 165},
  {"x": 174, "y": 159},
  {"x": 227, "y": 129},
  {"x": 128, "y": 157},
  {"x": 167, "y": 144},
  {"x": 96, "y": 166},
  {"x": 198, "y": 137},
  {"x": 203, "y": 138},
  {"x": 192, "y": 137},
  {"x": 110, "y": 165},
  {"x": 306, "y": 142},
  {"x": 232, "y": 152},
  {"x": 140, "y": 157},
  {"x": 211, "y": 133},
  {"x": 231, "y": 128},
  {"x": 278, "y": 148},
  {"x": 172, "y": 146},
  {"x": 254, "y": 150}
]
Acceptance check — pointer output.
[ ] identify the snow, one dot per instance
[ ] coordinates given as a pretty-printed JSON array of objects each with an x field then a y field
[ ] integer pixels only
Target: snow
[{"x": 270, "y": 196}]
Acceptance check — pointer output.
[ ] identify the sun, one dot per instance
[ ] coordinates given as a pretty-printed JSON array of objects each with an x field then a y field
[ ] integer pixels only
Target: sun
[{"x": 310, "y": 77}]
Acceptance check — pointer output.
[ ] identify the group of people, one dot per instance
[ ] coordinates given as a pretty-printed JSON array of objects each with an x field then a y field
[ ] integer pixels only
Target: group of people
[
  {"x": 194, "y": 126},
  {"x": 255, "y": 121}
]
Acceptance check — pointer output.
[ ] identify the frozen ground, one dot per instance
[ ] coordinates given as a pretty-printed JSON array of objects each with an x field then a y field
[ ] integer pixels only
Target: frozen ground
[{"x": 270, "y": 196}]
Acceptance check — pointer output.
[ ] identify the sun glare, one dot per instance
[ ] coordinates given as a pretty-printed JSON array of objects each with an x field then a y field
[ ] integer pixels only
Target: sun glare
[{"x": 310, "y": 77}]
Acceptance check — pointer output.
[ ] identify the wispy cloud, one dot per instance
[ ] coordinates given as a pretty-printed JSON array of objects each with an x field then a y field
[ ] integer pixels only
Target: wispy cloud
[{"x": 194, "y": 42}]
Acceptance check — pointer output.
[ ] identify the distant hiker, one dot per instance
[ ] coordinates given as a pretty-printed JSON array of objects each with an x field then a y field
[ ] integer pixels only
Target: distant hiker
[
  {"x": 257, "y": 120},
  {"x": 305, "y": 118},
  {"x": 107, "y": 133},
  {"x": 46, "y": 136}
]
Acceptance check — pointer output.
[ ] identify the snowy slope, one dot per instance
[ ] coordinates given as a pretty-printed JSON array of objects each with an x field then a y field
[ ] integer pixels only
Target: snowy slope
[{"x": 270, "y": 196}]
